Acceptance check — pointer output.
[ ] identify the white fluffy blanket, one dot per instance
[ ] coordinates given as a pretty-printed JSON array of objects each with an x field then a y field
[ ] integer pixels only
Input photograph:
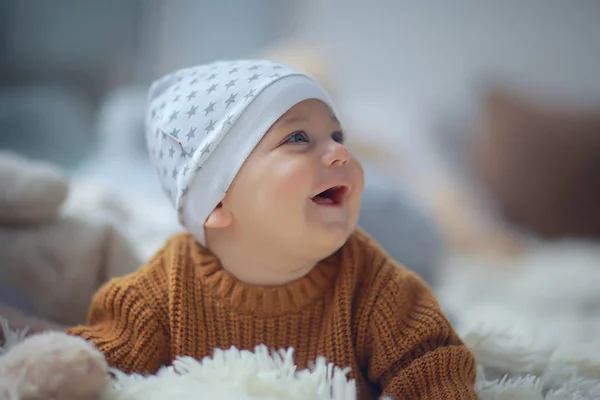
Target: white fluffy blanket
[
  {"x": 541, "y": 312},
  {"x": 508, "y": 369}
]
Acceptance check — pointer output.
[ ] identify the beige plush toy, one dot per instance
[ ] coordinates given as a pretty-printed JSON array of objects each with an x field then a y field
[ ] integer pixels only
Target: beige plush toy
[
  {"x": 51, "y": 260},
  {"x": 52, "y": 365}
]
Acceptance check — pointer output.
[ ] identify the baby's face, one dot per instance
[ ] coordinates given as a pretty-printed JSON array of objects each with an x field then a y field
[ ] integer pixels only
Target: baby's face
[{"x": 300, "y": 188}]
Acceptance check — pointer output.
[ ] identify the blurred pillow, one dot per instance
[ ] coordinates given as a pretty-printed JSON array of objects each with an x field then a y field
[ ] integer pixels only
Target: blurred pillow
[{"x": 541, "y": 164}]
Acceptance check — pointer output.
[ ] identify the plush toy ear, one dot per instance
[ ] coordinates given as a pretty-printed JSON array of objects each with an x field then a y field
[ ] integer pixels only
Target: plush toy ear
[{"x": 218, "y": 218}]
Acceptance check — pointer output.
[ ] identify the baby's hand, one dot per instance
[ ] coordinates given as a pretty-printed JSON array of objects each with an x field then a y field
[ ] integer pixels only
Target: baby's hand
[{"x": 53, "y": 365}]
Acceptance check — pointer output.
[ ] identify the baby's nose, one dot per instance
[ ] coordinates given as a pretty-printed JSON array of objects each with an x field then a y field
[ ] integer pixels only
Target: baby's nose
[{"x": 336, "y": 154}]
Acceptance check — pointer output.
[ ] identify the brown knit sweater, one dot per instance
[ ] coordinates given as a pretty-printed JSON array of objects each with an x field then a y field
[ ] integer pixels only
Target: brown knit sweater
[{"x": 357, "y": 307}]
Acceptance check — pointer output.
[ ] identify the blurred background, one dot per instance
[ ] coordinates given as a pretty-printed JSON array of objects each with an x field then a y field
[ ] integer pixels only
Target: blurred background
[{"x": 478, "y": 123}]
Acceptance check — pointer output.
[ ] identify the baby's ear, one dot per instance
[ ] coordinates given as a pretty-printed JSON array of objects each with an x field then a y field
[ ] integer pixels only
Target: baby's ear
[{"x": 218, "y": 218}]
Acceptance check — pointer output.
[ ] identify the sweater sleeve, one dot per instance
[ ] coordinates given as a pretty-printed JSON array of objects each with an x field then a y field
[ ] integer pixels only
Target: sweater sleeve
[
  {"x": 414, "y": 351},
  {"x": 125, "y": 327}
]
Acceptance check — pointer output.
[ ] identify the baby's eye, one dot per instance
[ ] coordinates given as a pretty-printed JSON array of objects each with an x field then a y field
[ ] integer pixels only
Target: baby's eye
[
  {"x": 338, "y": 137},
  {"x": 297, "y": 137}
]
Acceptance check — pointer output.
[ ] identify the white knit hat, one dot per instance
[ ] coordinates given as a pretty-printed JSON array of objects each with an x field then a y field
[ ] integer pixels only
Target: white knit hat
[{"x": 203, "y": 122}]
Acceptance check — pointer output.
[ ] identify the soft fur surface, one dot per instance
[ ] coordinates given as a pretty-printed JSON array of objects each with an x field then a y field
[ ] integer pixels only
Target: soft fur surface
[
  {"x": 234, "y": 374},
  {"x": 535, "y": 314},
  {"x": 509, "y": 368},
  {"x": 549, "y": 293}
]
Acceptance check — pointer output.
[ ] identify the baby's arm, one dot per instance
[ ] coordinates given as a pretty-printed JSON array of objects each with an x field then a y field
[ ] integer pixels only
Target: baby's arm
[
  {"x": 123, "y": 324},
  {"x": 414, "y": 353}
]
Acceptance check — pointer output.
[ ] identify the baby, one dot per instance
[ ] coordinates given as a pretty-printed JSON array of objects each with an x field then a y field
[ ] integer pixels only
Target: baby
[{"x": 252, "y": 156}]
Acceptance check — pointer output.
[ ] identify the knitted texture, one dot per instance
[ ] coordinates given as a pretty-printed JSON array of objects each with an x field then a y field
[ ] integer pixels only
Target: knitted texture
[{"x": 357, "y": 307}]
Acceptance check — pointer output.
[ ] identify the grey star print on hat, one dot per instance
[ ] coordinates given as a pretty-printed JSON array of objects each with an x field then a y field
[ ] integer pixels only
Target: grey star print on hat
[{"x": 203, "y": 122}]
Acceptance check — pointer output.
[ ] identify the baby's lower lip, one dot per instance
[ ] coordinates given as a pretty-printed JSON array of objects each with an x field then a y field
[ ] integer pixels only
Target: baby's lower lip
[{"x": 324, "y": 201}]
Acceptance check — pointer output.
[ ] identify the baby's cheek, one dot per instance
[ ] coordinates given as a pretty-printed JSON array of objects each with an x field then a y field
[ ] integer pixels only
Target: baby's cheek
[
  {"x": 282, "y": 183},
  {"x": 277, "y": 194},
  {"x": 358, "y": 170},
  {"x": 289, "y": 188},
  {"x": 297, "y": 176}
]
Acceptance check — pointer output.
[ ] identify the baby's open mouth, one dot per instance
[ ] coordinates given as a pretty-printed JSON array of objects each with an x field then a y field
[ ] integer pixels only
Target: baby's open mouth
[{"x": 332, "y": 196}]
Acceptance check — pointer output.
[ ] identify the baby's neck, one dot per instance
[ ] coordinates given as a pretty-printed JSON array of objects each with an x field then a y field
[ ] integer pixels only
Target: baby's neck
[{"x": 259, "y": 265}]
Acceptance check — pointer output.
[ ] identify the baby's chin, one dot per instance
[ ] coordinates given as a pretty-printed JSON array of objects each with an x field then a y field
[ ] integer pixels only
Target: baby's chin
[{"x": 330, "y": 238}]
